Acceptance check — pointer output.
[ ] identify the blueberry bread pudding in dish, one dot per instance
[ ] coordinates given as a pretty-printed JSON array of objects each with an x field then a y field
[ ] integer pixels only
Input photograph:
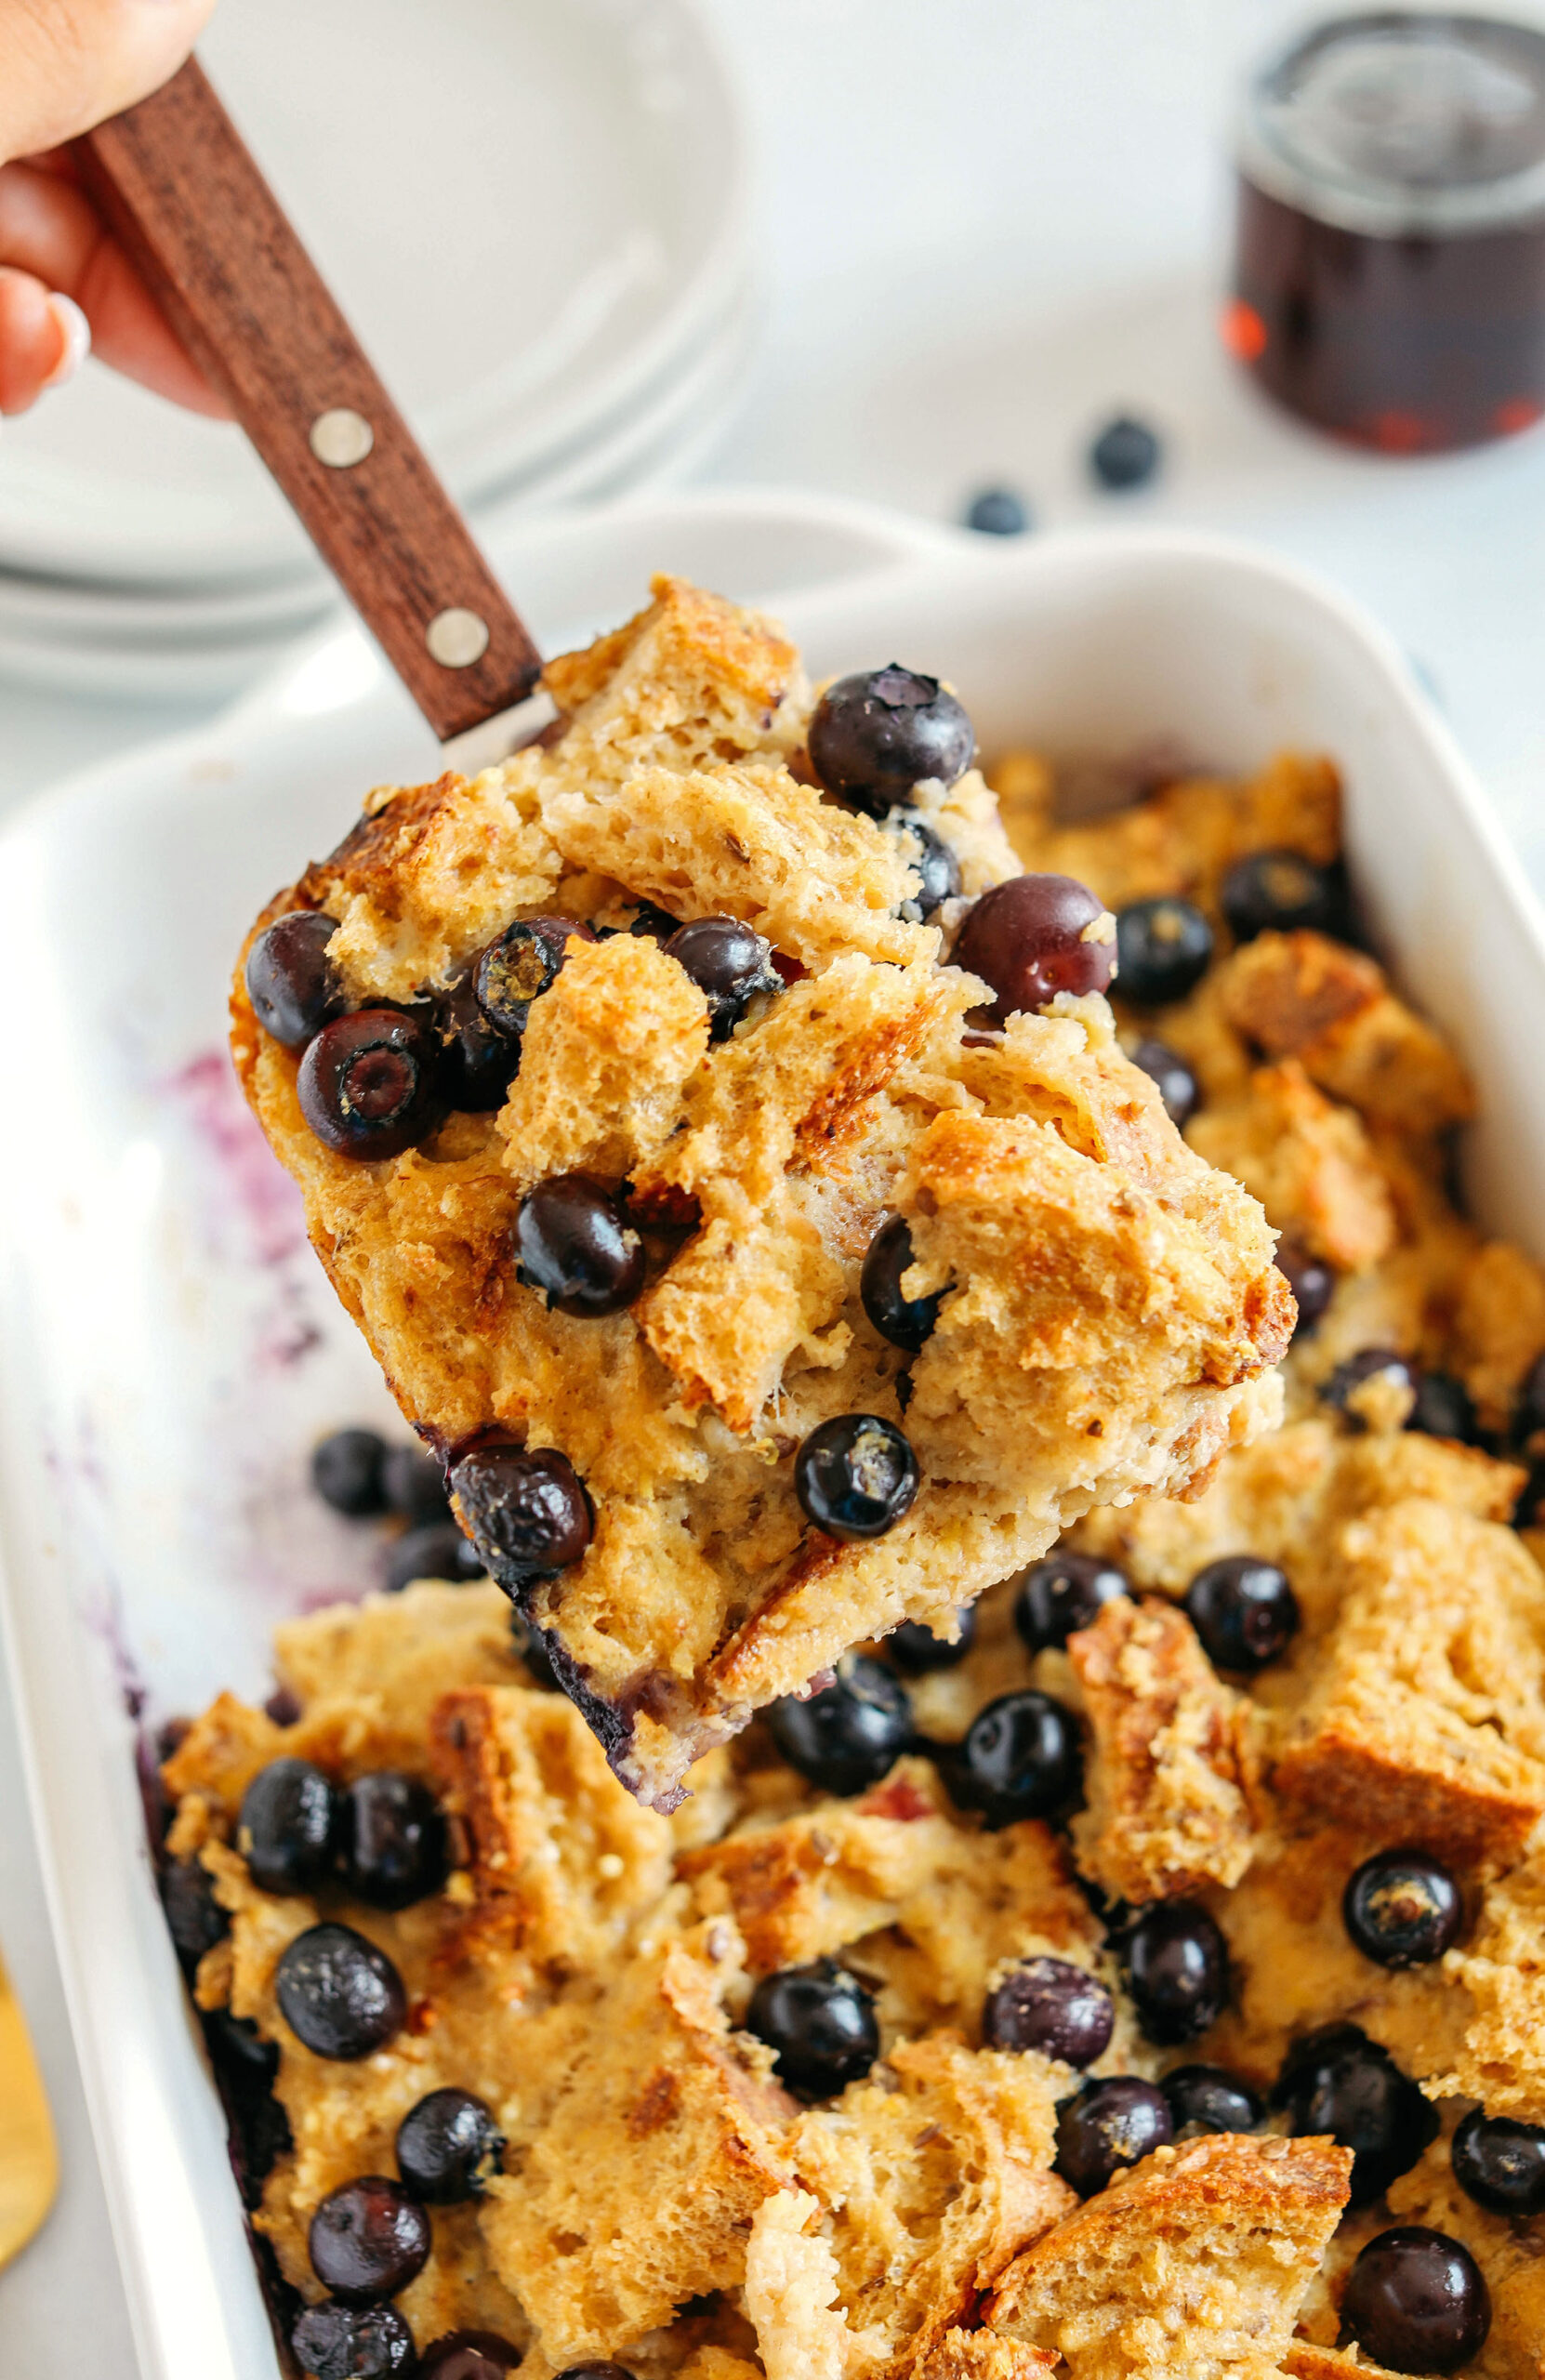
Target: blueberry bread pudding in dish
[
  {"x": 1136, "y": 1974},
  {"x": 727, "y": 1149}
]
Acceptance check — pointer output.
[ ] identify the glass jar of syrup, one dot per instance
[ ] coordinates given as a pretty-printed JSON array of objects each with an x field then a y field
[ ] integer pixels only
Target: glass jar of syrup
[{"x": 1390, "y": 277}]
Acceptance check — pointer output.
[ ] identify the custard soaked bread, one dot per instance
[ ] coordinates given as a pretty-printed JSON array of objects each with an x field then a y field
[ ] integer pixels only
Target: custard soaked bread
[{"x": 766, "y": 1279}]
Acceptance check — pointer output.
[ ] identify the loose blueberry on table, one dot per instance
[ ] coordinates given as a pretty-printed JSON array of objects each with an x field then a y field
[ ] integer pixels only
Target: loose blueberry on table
[
  {"x": 1402, "y": 1908},
  {"x": 906, "y": 1322},
  {"x": 338, "y": 1994},
  {"x": 1163, "y": 948},
  {"x": 572, "y": 1243},
  {"x": 292, "y": 984},
  {"x": 916, "y": 1648},
  {"x": 1336, "y": 2080},
  {"x": 997, "y": 512},
  {"x": 368, "y": 1084},
  {"x": 1062, "y": 1593},
  {"x": 1125, "y": 455},
  {"x": 1208, "y": 2098},
  {"x": 729, "y": 963},
  {"x": 1033, "y": 937},
  {"x": 1177, "y": 1088},
  {"x": 368, "y": 2239},
  {"x": 1050, "y": 2006},
  {"x": 878, "y": 734},
  {"x": 447, "y": 2147},
  {"x": 1244, "y": 1610},
  {"x": 1417, "y": 2301},
  {"x": 1178, "y": 1971},
  {"x": 1020, "y": 1758},
  {"x": 413, "y": 1481},
  {"x": 1501, "y": 2164},
  {"x": 1107, "y": 2126},
  {"x": 845, "y": 1738},
  {"x": 438, "y": 1551},
  {"x": 337, "y": 2342},
  {"x": 821, "y": 2022},
  {"x": 855, "y": 1476},
  {"x": 287, "y": 1828},
  {"x": 348, "y": 1472},
  {"x": 391, "y": 1840}
]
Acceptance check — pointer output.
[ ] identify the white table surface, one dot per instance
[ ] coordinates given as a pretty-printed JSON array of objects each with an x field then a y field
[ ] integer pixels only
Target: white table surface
[{"x": 989, "y": 225}]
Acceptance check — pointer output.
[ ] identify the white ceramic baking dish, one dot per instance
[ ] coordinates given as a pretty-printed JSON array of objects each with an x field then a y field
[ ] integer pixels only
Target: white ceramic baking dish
[{"x": 169, "y": 1351}]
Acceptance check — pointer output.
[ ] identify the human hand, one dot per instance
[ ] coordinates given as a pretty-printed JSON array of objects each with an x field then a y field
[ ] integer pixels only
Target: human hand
[{"x": 65, "y": 285}]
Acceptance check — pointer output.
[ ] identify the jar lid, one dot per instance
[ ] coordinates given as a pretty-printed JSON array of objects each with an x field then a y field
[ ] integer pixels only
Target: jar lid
[{"x": 1398, "y": 122}]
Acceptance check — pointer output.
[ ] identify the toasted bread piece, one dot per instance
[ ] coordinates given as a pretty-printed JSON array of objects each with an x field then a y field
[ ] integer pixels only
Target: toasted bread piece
[
  {"x": 1309, "y": 1162},
  {"x": 1498, "y": 1329},
  {"x": 1191, "y": 2266}
]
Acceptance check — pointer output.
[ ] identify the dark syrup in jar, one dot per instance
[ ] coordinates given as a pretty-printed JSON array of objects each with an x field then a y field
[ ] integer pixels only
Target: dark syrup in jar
[{"x": 1390, "y": 279}]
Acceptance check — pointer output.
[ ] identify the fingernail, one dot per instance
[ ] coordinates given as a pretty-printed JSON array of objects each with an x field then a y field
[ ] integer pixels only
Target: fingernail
[{"x": 75, "y": 332}]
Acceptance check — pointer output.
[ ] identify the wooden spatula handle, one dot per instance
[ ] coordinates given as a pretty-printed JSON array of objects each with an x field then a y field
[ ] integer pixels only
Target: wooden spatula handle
[{"x": 184, "y": 194}]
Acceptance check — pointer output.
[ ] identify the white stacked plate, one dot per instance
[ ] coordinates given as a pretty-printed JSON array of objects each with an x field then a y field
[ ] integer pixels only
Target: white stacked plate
[{"x": 534, "y": 212}]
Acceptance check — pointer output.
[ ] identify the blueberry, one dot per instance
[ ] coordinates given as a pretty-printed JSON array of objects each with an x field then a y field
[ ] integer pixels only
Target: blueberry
[
  {"x": 368, "y": 1085},
  {"x": 1177, "y": 1970},
  {"x": 393, "y": 1840},
  {"x": 855, "y": 1476},
  {"x": 1376, "y": 1388},
  {"x": 526, "y": 1509},
  {"x": 845, "y": 1738},
  {"x": 1444, "y": 1408},
  {"x": 1125, "y": 454},
  {"x": 338, "y": 1994},
  {"x": 239, "y": 2053},
  {"x": 1178, "y": 1087},
  {"x": 730, "y": 964},
  {"x": 413, "y": 1481},
  {"x": 915, "y": 1648},
  {"x": 571, "y": 1242},
  {"x": 926, "y": 852},
  {"x": 517, "y": 967},
  {"x": 447, "y": 2147},
  {"x": 531, "y": 1645},
  {"x": 1050, "y": 2006},
  {"x": 478, "y": 1061},
  {"x": 1033, "y": 937},
  {"x": 1310, "y": 1280},
  {"x": 1337, "y": 2080},
  {"x": 877, "y": 735},
  {"x": 1530, "y": 1415},
  {"x": 194, "y": 1918},
  {"x": 478, "y": 2354},
  {"x": 1281, "y": 890},
  {"x": 292, "y": 984},
  {"x": 1417, "y": 2301},
  {"x": 1402, "y": 1908},
  {"x": 1164, "y": 949},
  {"x": 334, "y": 2342},
  {"x": 346, "y": 1473},
  {"x": 1244, "y": 1611},
  {"x": 1529, "y": 1511},
  {"x": 595, "y": 2372},
  {"x": 821, "y": 2022},
  {"x": 437, "y": 1551},
  {"x": 997, "y": 512},
  {"x": 287, "y": 1828},
  {"x": 368, "y": 2239},
  {"x": 1109, "y": 2125},
  {"x": 906, "y": 1322},
  {"x": 1207, "y": 2098},
  {"x": 1064, "y": 1593},
  {"x": 653, "y": 921},
  {"x": 1501, "y": 2164},
  {"x": 1019, "y": 1759}
]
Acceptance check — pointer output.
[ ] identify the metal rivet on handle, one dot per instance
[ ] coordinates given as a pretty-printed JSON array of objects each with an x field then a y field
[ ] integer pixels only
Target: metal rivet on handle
[
  {"x": 341, "y": 437},
  {"x": 457, "y": 638}
]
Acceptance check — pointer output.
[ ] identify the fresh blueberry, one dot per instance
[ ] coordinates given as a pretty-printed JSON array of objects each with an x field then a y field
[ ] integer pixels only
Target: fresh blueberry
[
  {"x": 346, "y": 1473},
  {"x": 393, "y": 1840},
  {"x": 1336, "y": 2080},
  {"x": 1033, "y": 937},
  {"x": 1444, "y": 1408},
  {"x": 1376, "y": 1388},
  {"x": 906, "y": 1322},
  {"x": 335, "y": 2342},
  {"x": 338, "y": 1994},
  {"x": 1020, "y": 1758},
  {"x": 447, "y": 2147},
  {"x": 1310, "y": 1280},
  {"x": 1178, "y": 1087},
  {"x": 194, "y": 1918},
  {"x": 519, "y": 966},
  {"x": 477, "y": 1061},
  {"x": 926, "y": 852},
  {"x": 1125, "y": 455},
  {"x": 1207, "y": 2098},
  {"x": 1062, "y": 1593},
  {"x": 654, "y": 922},
  {"x": 1107, "y": 2126},
  {"x": 1402, "y": 1908},
  {"x": 413, "y": 1481},
  {"x": 287, "y": 1828},
  {"x": 1501, "y": 2164},
  {"x": 845, "y": 1738},
  {"x": 1417, "y": 2301},
  {"x": 1281, "y": 890},
  {"x": 572, "y": 1243},
  {"x": 526, "y": 1508},
  {"x": 368, "y": 1084},
  {"x": 875, "y": 736},
  {"x": 437, "y": 1551},
  {"x": 1054, "y": 2006},
  {"x": 1163, "y": 948},
  {"x": 915, "y": 1648},
  {"x": 821, "y": 2022},
  {"x": 368, "y": 2239},
  {"x": 997, "y": 512},
  {"x": 291, "y": 981},
  {"x": 1177, "y": 1970},
  {"x": 478, "y": 2354},
  {"x": 1244, "y": 1611},
  {"x": 729, "y": 963},
  {"x": 855, "y": 1476}
]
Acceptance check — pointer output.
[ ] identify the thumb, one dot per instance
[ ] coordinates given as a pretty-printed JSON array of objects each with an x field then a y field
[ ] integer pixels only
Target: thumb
[{"x": 65, "y": 64}]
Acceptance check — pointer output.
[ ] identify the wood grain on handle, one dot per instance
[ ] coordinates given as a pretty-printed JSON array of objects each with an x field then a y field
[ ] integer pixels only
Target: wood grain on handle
[{"x": 186, "y": 198}]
